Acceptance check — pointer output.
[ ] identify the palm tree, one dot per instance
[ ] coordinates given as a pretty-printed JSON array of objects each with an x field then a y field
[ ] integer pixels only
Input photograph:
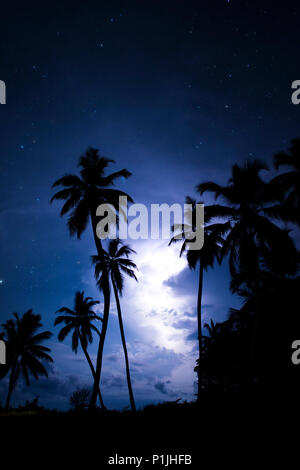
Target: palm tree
[
  {"x": 287, "y": 184},
  {"x": 118, "y": 264},
  {"x": 82, "y": 196},
  {"x": 212, "y": 328},
  {"x": 79, "y": 322},
  {"x": 247, "y": 204},
  {"x": 205, "y": 257},
  {"x": 26, "y": 352},
  {"x": 246, "y": 200}
]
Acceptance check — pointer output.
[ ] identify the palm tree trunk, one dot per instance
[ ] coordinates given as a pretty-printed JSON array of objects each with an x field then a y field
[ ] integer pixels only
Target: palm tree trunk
[
  {"x": 106, "y": 295},
  {"x": 199, "y": 319},
  {"x": 132, "y": 402},
  {"x": 92, "y": 370},
  {"x": 11, "y": 385}
]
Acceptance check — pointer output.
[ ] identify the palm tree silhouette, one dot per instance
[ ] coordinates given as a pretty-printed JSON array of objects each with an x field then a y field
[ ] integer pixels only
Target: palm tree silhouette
[
  {"x": 79, "y": 322},
  {"x": 26, "y": 352},
  {"x": 247, "y": 207},
  {"x": 118, "y": 263},
  {"x": 205, "y": 257},
  {"x": 287, "y": 184},
  {"x": 212, "y": 328},
  {"x": 246, "y": 200},
  {"x": 82, "y": 196}
]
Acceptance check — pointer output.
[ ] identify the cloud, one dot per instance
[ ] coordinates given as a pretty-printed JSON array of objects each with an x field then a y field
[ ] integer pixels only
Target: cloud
[
  {"x": 192, "y": 336},
  {"x": 183, "y": 283},
  {"x": 161, "y": 386},
  {"x": 184, "y": 324}
]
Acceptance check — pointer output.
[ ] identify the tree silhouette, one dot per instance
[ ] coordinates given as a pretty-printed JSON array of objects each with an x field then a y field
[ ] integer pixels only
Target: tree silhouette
[
  {"x": 287, "y": 185},
  {"x": 117, "y": 264},
  {"x": 26, "y": 352},
  {"x": 205, "y": 257},
  {"x": 212, "y": 328},
  {"x": 253, "y": 237},
  {"x": 246, "y": 197},
  {"x": 79, "y": 322},
  {"x": 80, "y": 398},
  {"x": 82, "y": 196},
  {"x": 224, "y": 353}
]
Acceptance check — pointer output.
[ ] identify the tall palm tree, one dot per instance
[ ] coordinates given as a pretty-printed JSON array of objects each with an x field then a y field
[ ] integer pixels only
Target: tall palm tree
[
  {"x": 247, "y": 206},
  {"x": 247, "y": 198},
  {"x": 288, "y": 184},
  {"x": 118, "y": 264},
  {"x": 205, "y": 257},
  {"x": 25, "y": 349},
  {"x": 82, "y": 195},
  {"x": 80, "y": 322}
]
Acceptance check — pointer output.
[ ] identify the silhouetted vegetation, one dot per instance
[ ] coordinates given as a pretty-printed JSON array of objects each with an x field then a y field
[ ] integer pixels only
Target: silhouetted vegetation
[
  {"x": 82, "y": 196},
  {"x": 253, "y": 226},
  {"x": 80, "y": 322},
  {"x": 205, "y": 257},
  {"x": 25, "y": 349},
  {"x": 118, "y": 264},
  {"x": 252, "y": 349},
  {"x": 80, "y": 399}
]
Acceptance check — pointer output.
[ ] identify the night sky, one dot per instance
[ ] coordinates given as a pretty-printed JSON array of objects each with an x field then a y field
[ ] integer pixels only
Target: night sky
[{"x": 174, "y": 91}]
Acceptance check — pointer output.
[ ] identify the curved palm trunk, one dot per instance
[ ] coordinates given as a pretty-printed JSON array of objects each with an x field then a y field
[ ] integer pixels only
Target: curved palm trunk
[
  {"x": 199, "y": 320},
  {"x": 132, "y": 402},
  {"x": 106, "y": 295},
  {"x": 92, "y": 370},
  {"x": 11, "y": 385}
]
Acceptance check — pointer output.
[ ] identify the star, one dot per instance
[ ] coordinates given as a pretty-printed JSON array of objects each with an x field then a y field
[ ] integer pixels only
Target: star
[{"x": 1, "y": 281}]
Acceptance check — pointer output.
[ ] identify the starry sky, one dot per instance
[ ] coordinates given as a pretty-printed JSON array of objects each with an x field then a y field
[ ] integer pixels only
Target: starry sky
[{"x": 174, "y": 91}]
